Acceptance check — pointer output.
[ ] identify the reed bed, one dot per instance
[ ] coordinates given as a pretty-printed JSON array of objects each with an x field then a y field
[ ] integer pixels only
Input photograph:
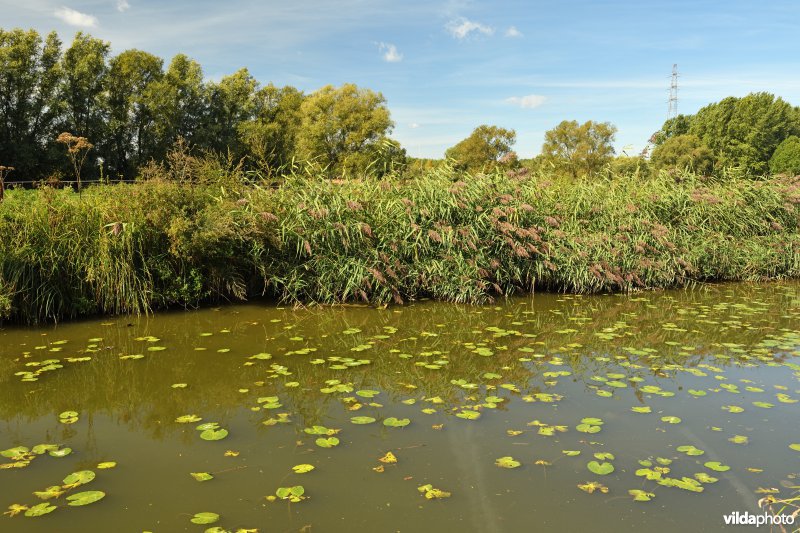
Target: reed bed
[{"x": 162, "y": 242}]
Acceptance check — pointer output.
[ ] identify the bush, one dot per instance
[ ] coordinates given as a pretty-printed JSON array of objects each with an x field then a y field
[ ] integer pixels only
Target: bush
[
  {"x": 684, "y": 152},
  {"x": 786, "y": 159},
  {"x": 635, "y": 167}
]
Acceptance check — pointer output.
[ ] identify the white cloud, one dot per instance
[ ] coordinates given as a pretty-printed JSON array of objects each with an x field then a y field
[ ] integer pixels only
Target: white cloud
[
  {"x": 528, "y": 102},
  {"x": 390, "y": 53},
  {"x": 512, "y": 31},
  {"x": 123, "y": 6},
  {"x": 460, "y": 28},
  {"x": 413, "y": 125},
  {"x": 75, "y": 18}
]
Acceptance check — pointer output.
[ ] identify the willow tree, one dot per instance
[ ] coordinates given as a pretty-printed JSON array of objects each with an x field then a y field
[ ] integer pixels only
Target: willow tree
[
  {"x": 579, "y": 149},
  {"x": 486, "y": 148},
  {"x": 341, "y": 127}
]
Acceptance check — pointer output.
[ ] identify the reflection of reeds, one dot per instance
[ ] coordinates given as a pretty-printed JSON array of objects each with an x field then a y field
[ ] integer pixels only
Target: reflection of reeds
[{"x": 218, "y": 236}]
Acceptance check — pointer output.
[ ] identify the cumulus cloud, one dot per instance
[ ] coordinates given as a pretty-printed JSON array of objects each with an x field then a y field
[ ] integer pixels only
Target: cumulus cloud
[
  {"x": 123, "y": 6},
  {"x": 512, "y": 31},
  {"x": 390, "y": 53},
  {"x": 461, "y": 28},
  {"x": 527, "y": 102},
  {"x": 75, "y": 18},
  {"x": 413, "y": 125}
]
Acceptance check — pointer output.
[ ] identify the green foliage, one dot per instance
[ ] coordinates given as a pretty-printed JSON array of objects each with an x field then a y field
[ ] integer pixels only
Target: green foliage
[
  {"x": 744, "y": 132},
  {"x": 579, "y": 149},
  {"x": 271, "y": 133},
  {"x": 83, "y": 72},
  {"x": 487, "y": 148},
  {"x": 130, "y": 135},
  {"x": 672, "y": 128},
  {"x": 176, "y": 104},
  {"x": 636, "y": 166},
  {"x": 341, "y": 126},
  {"x": 30, "y": 74},
  {"x": 786, "y": 158},
  {"x": 684, "y": 152},
  {"x": 182, "y": 239}
]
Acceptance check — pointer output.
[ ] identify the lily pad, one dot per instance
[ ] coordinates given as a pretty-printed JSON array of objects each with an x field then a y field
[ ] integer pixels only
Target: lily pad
[
  {"x": 201, "y": 476},
  {"x": 302, "y": 469},
  {"x": 214, "y": 434},
  {"x": 601, "y": 469},
  {"x": 591, "y": 486},
  {"x": 85, "y": 498},
  {"x": 361, "y": 420},
  {"x": 432, "y": 493},
  {"x": 62, "y": 452},
  {"x": 40, "y": 509},
  {"x": 393, "y": 422},
  {"x": 293, "y": 494},
  {"x": 716, "y": 466},
  {"x": 329, "y": 442},
  {"x": 702, "y": 477},
  {"x": 79, "y": 478},
  {"x": 205, "y": 518},
  {"x": 690, "y": 450},
  {"x": 507, "y": 462},
  {"x": 641, "y": 496},
  {"x": 188, "y": 419}
]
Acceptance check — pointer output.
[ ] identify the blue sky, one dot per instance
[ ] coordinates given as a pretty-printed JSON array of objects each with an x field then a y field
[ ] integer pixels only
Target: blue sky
[{"x": 447, "y": 67}]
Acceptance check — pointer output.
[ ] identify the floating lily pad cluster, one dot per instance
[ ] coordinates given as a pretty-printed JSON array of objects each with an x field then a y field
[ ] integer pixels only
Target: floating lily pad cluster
[{"x": 73, "y": 498}]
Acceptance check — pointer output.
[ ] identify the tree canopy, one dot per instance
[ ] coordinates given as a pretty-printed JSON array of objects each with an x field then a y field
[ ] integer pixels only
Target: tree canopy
[
  {"x": 740, "y": 132},
  {"x": 341, "y": 126},
  {"x": 684, "y": 152},
  {"x": 133, "y": 110},
  {"x": 485, "y": 148},
  {"x": 579, "y": 149},
  {"x": 786, "y": 158}
]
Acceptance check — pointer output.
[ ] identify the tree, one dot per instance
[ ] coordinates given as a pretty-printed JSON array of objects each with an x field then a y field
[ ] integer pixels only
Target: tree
[
  {"x": 486, "y": 148},
  {"x": 744, "y": 132},
  {"x": 177, "y": 104},
  {"x": 786, "y": 158},
  {"x": 231, "y": 102},
  {"x": 271, "y": 134},
  {"x": 684, "y": 152},
  {"x": 83, "y": 73},
  {"x": 672, "y": 128},
  {"x": 130, "y": 122},
  {"x": 579, "y": 149},
  {"x": 340, "y": 125},
  {"x": 29, "y": 106}
]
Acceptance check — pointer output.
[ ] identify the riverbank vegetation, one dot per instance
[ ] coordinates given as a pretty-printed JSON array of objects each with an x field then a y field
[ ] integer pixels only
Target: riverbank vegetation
[
  {"x": 196, "y": 231},
  {"x": 237, "y": 190}
]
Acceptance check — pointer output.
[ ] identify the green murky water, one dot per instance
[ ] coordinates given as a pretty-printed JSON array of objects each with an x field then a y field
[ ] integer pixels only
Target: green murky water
[{"x": 483, "y": 388}]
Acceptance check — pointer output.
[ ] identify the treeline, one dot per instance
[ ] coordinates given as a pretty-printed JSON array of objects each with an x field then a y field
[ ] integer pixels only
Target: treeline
[
  {"x": 750, "y": 136},
  {"x": 125, "y": 112},
  {"x": 133, "y": 109}
]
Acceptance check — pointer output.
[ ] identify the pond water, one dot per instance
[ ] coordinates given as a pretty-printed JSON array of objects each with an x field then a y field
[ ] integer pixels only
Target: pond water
[{"x": 664, "y": 382}]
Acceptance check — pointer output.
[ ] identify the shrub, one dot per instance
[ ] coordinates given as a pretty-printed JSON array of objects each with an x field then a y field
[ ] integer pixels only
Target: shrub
[{"x": 786, "y": 159}]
